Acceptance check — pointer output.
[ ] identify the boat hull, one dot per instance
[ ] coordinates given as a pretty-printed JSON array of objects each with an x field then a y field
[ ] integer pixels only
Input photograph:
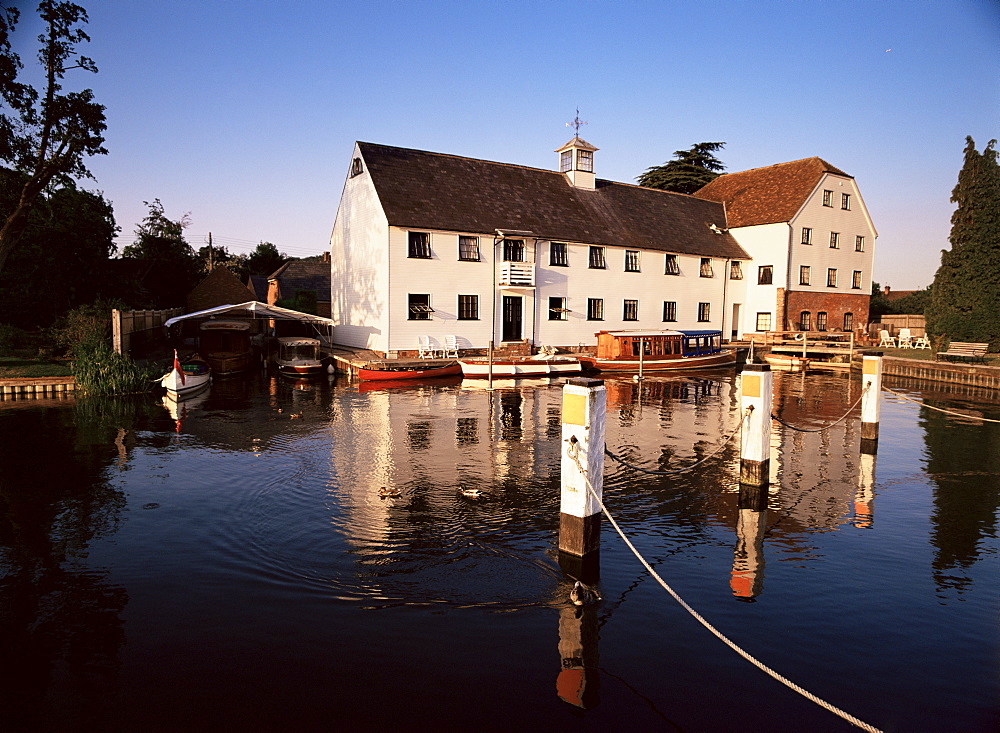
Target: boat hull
[
  {"x": 723, "y": 358},
  {"x": 786, "y": 362},
  {"x": 520, "y": 367},
  {"x": 300, "y": 370},
  {"x": 407, "y": 373},
  {"x": 192, "y": 384},
  {"x": 223, "y": 363}
]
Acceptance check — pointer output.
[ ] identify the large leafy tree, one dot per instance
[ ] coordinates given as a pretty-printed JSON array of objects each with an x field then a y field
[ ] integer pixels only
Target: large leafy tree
[
  {"x": 265, "y": 259},
  {"x": 171, "y": 267},
  {"x": 688, "y": 171},
  {"x": 46, "y": 133},
  {"x": 965, "y": 297}
]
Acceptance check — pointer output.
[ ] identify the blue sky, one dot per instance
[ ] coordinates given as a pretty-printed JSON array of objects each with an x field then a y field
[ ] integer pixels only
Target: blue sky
[{"x": 244, "y": 113}]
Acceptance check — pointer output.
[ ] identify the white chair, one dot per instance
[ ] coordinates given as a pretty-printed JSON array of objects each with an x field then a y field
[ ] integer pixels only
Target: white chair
[
  {"x": 887, "y": 340},
  {"x": 450, "y": 350},
  {"x": 905, "y": 339},
  {"x": 424, "y": 350},
  {"x": 921, "y": 342}
]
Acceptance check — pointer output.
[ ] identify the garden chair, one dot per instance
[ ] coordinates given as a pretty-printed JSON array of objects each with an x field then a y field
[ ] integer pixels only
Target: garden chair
[
  {"x": 905, "y": 340},
  {"x": 921, "y": 342},
  {"x": 887, "y": 340},
  {"x": 450, "y": 350},
  {"x": 424, "y": 350}
]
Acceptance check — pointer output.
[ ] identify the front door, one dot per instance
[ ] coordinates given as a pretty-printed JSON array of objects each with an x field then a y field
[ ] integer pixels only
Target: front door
[{"x": 512, "y": 317}]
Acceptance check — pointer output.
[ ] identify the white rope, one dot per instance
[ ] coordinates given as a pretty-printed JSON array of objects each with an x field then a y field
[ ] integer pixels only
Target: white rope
[
  {"x": 939, "y": 409},
  {"x": 573, "y": 452}
]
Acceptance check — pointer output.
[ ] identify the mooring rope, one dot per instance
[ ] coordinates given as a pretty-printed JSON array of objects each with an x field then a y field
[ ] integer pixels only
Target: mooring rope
[
  {"x": 686, "y": 468},
  {"x": 573, "y": 451},
  {"x": 939, "y": 409},
  {"x": 825, "y": 427}
]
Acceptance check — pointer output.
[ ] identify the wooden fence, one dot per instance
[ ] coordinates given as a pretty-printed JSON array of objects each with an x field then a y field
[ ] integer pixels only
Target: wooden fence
[{"x": 139, "y": 329}]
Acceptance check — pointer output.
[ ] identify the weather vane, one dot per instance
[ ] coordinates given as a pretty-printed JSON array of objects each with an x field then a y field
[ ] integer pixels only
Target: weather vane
[{"x": 576, "y": 122}]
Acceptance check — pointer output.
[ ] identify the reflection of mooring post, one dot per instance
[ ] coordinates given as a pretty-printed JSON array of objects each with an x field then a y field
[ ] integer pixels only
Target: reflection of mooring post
[
  {"x": 871, "y": 383},
  {"x": 747, "y": 580},
  {"x": 864, "y": 498},
  {"x": 757, "y": 388},
  {"x": 578, "y": 678},
  {"x": 583, "y": 415}
]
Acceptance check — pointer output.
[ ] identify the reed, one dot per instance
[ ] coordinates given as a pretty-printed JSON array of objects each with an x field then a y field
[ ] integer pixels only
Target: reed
[{"x": 99, "y": 370}]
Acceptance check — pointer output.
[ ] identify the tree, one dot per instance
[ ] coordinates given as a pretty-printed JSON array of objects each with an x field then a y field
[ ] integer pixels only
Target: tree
[
  {"x": 265, "y": 259},
  {"x": 965, "y": 296},
  {"x": 172, "y": 268},
  {"x": 49, "y": 133},
  {"x": 689, "y": 171}
]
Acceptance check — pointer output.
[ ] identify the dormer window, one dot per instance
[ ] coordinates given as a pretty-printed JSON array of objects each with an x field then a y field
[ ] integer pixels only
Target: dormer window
[
  {"x": 585, "y": 161},
  {"x": 566, "y": 161}
]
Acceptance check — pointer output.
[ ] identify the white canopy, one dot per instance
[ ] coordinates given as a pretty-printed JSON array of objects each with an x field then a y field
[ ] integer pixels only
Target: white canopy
[{"x": 255, "y": 309}]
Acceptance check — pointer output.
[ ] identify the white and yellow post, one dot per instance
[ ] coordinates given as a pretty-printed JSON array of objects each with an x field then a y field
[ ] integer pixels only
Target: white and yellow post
[
  {"x": 757, "y": 388},
  {"x": 871, "y": 383},
  {"x": 584, "y": 410}
]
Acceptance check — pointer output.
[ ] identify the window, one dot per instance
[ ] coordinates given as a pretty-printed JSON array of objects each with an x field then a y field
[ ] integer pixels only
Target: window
[
  {"x": 859, "y": 243},
  {"x": 807, "y": 235},
  {"x": 468, "y": 249},
  {"x": 765, "y": 274},
  {"x": 671, "y": 267},
  {"x": 834, "y": 240},
  {"x": 704, "y": 311},
  {"x": 595, "y": 309},
  {"x": 831, "y": 277},
  {"x": 566, "y": 161},
  {"x": 419, "y": 245},
  {"x": 585, "y": 161},
  {"x": 513, "y": 250},
  {"x": 356, "y": 167},
  {"x": 706, "y": 267},
  {"x": 856, "y": 280},
  {"x": 828, "y": 198},
  {"x": 597, "y": 258},
  {"x": 419, "y": 307},
  {"x": 670, "y": 310},
  {"x": 845, "y": 201},
  {"x": 557, "y": 309},
  {"x": 821, "y": 321},
  {"x": 763, "y": 321},
  {"x": 631, "y": 260},
  {"x": 631, "y": 310},
  {"x": 804, "y": 272},
  {"x": 805, "y": 321},
  {"x": 557, "y": 254},
  {"x": 468, "y": 307},
  {"x": 848, "y": 321},
  {"x": 735, "y": 271}
]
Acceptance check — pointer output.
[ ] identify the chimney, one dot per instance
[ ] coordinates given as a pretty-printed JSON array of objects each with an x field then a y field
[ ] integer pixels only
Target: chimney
[
  {"x": 326, "y": 256},
  {"x": 885, "y": 290}
]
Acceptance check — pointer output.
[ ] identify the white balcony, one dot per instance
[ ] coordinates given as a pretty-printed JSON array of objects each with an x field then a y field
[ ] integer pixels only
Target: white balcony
[{"x": 517, "y": 275}]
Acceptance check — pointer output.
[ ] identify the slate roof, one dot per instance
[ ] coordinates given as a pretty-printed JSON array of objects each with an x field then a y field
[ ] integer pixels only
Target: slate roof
[
  {"x": 304, "y": 275},
  {"x": 767, "y": 195},
  {"x": 423, "y": 190}
]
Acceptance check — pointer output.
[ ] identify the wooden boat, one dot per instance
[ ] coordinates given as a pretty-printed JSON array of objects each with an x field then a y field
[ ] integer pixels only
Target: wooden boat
[
  {"x": 541, "y": 365},
  {"x": 298, "y": 356},
  {"x": 787, "y": 362},
  {"x": 226, "y": 346},
  {"x": 395, "y": 372},
  {"x": 187, "y": 378},
  {"x": 656, "y": 351}
]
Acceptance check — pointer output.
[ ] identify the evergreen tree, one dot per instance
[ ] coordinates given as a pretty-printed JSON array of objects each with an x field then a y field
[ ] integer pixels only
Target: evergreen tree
[
  {"x": 965, "y": 297},
  {"x": 689, "y": 171}
]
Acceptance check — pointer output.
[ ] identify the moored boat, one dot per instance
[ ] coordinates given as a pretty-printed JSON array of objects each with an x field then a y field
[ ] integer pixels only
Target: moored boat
[
  {"x": 298, "y": 356},
  {"x": 384, "y": 371},
  {"x": 541, "y": 365},
  {"x": 786, "y": 362},
  {"x": 187, "y": 378},
  {"x": 655, "y": 351},
  {"x": 226, "y": 346}
]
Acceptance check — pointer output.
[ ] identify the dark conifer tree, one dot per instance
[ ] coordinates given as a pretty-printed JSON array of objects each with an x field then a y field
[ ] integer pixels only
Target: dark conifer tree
[
  {"x": 689, "y": 171},
  {"x": 965, "y": 297}
]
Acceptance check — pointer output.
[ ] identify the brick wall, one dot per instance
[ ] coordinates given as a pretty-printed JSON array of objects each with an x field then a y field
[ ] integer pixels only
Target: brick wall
[{"x": 835, "y": 305}]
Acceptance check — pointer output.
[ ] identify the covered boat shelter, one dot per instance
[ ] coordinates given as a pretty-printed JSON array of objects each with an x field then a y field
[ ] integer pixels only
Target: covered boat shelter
[{"x": 265, "y": 320}]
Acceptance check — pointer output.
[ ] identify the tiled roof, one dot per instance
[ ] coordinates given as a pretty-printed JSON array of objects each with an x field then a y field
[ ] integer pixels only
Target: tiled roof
[
  {"x": 422, "y": 190},
  {"x": 220, "y": 287},
  {"x": 258, "y": 286},
  {"x": 304, "y": 275},
  {"x": 767, "y": 195}
]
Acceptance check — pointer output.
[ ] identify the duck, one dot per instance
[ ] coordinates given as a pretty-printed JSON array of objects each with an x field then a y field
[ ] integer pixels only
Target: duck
[
  {"x": 385, "y": 492},
  {"x": 581, "y": 595},
  {"x": 471, "y": 493}
]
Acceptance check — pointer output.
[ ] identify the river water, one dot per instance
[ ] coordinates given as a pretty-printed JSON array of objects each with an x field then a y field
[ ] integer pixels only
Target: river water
[{"x": 234, "y": 566}]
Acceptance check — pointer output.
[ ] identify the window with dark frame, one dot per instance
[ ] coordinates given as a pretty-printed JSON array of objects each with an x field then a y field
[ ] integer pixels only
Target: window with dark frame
[
  {"x": 468, "y": 249},
  {"x": 595, "y": 309},
  {"x": 669, "y": 311},
  {"x": 513, "y": 250},
  {"x": 565, "y": 161},
  {"x": 763, "y": 322},
  {"x": 631, "y": 260},
  {"x": 807, "y": 235},
  {"x": 848, "y": 321},
  {"x": 859, "y": 243},
  {"x": 597, "y": 261},
  {"x": 671, "y": 267},
  {"x": 765, "y": 274},
  {"x": 704, "y": 312},
  {"x": 557, "y": 309},
  {"x": 828, "y": 198},
  {"x": 735, "y": 271},
  {"x": 419, "y": 245},
  {"x": 831, "y": 277},
  {"x": 585, "y": 161},
  {"x": 356, "y": 167},
  {"x": 834, "y": 240},
  {"x": 845, "y": 201},
  {"x": 468, "y": 307},
  {"x": 557, "y": 254},
  {"x": 856, "y": 280},
  {"x": 805, "y": 321},
  {"x": 821, "y": 321},
  {"x": 804, "y": 273},
  {"x": 630, "y": 310},
  {"x": 706, "y": 267},
  {"x": 419, "y": 306}
]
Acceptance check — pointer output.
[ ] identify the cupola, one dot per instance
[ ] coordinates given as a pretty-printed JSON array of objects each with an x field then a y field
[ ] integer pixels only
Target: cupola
[{"x": 576, "y": 161}]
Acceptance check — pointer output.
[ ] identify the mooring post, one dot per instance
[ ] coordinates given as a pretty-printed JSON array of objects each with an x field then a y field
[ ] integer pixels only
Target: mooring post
[
  {"x": 871, "y": 384},
  {"x": 583, "y": 415},
  {"x": 757, "y": 388}
]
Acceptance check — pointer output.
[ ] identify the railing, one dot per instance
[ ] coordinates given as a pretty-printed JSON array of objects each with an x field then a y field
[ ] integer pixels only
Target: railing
[
  {"x": 821, "y": 342},
  {"x": 517, "y": 274}
]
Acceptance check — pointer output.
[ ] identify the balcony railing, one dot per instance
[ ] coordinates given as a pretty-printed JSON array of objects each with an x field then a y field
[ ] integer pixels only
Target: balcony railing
[{"x": 517, "y": 274}]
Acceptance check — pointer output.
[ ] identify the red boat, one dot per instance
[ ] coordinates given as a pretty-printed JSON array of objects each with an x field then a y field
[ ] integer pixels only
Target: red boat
[{"x": 408, "y": 371}]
